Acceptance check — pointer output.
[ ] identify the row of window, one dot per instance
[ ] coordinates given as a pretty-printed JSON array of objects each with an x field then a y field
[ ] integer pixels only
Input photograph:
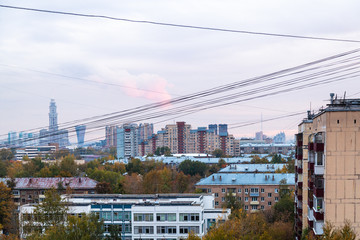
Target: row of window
[
  {"x": 126, "y": 228},
  {"x": 269, "y": 195},
  {"x": 269, "y": 204},
  {"x": 246, "y": 190},
  {"x": 166, "y": 229},
  {"x": 162, "y": 217},
  {"x": 115, "y": 216}
]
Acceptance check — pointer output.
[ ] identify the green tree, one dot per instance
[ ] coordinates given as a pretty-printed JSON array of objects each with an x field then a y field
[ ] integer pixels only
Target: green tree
[
  {"x": 221, "y": 163},
  {"x": 6, "y": 154},
  {"x": 218, "y": 153},
  {"x": 88, "y": 227},
  {"x": 193, "y": 167},
  {"x": 163, "y": 151},
  {"x": 232, "y": 202},
  {"x": 134, "y": 166},
  {"x": 68, "y": 167},
  {"x": 257, "y": 159}
]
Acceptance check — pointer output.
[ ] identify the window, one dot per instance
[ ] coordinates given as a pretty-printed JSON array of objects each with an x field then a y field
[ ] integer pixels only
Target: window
[
  {"x": 118, "y": 216},
  {"x": 216, "y": 195},
  {"x": 246, "y": 199},
  {"x": 276, "y": 190},
  {"x": 15, "y": 192},
  {"x": 106, "y": 216},
  {"x": 209, "y": 190},
  {"x": 239, "y": 190},
  {"x": 162, "y": 217},
  {"x": 246, "y": 207},
  {"x": 246, "y": 190},
  {"x": 188, "y": 229},
  {"x": 166, "y": 230},
  {"x": 223, "y": 190},
  {"x": 143, "y": 229},
  {"x": 239, "y": 198},
  {"x": 262, "y": 190},
  {"x": 254, "y": 207},
  {"x": 216, "y": 203},
  {"x": 143, "y": 217},
  {"x": 276, "y": 199},
  {"x": 223, "y": 199},
  {"x": 269, "y": 203},
  {"x": 254, "y": 190},
  {"x": 269, "y": 194},
  {"x": 185, "y": 217},
  {"x": 254, "y": 199},
  {"x": 262, "y": 199},
  {"x": 262, "y": 207}
]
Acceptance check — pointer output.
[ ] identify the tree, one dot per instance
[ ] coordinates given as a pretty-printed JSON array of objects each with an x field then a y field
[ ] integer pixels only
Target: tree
[
  {"x": 277, "y": 159},
  {"x": 6, "y": 207},
  {"x": 193, "y": 167},
  {"x": 257, "y": 159},
  {"x": 68, "y": 167},
  {"x": 163, "y": 151},
  {"x": 221, "y": 163},
  {"x": 6, "y": 154},
  {"x": 345, "y": 232},
  {"x": 103, "y": 187},
  {"x": 218, "y": 153},
  {"x": 232, "y": 202},
  {"x": 88, "y": 227},
  {"x": 134, "y": 166}
]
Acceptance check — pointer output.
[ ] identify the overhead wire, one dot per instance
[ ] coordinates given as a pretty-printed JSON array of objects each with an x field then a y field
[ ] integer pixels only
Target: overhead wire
[{"x": 178, "y": 25}]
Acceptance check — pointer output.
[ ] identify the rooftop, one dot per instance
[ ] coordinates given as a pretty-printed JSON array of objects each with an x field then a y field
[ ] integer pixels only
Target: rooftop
[
  {"x": 251, "y": 168},
  {"x": 47, "y": 183},
  {"x": 247, "y": 179}
]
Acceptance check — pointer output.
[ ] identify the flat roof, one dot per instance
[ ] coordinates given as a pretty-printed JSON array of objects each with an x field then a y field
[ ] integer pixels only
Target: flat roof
[
  {"x": 247, "y": 179},
  {"x": 250, "y": 168}
]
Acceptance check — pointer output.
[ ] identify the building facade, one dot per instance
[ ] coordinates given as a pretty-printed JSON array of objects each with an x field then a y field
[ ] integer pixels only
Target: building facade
[
  {"x": 328, "y": 151},
  {"x": 258, "y": 191},
  {"x": 150, "y": 216},
  {"x": 31, "y": 190}
]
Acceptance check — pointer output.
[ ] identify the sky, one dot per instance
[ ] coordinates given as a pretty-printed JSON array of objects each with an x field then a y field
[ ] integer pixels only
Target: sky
[{"x": 94, "y": 66}]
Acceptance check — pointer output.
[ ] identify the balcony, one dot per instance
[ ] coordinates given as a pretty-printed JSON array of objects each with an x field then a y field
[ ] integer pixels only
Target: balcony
[
  {"x": 299, "y": 143},
  {"x": 299, "y": 170},
  {"x": 254, "y": 203},
  {"x": 310, "y": 203},
  {"x": 310, "y": 223},
  {"x": 318, "y": 147},
  {"x": 254, "y": 194},
  {"x": 318, "y": 216},
  {"x": 310, "y": 184},
  {"x": 319, "y": 170},
  {"x": 311, "y": 166},
  {"x": 300, "y": 184},
  {"x": 299, "y": 156},
  {"x": 311, "y": 147},
  {"x": 310, "y": 214},
  {"x": 299, "y": 197},
  {"x": 299, "y": 212},
  {"x": 318, "y": 192},
  {"x": 318, "y": 227}
]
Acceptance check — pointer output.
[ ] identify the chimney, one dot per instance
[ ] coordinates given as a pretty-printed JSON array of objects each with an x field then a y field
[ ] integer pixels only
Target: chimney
[
  {"x": 213, "y": 177},
  {"x": 273, "y": 178},
  {"x": 266, "y": 177},
  {"x": 220, "y": 177},
  {"x": 80, "y": 180},
  {"x": 309, "y": 114},
  {"x": 30, "y": 180}
]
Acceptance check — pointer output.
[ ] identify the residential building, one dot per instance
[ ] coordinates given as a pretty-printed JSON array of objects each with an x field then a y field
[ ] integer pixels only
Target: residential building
[
  {"x": 31, "y": 190},
  {"x": 328, "y": 166},
  {"x": 258, "y": 191},
  {"x": 279, "y": 138},
  {"x": 252, "y": 168},
  {"x": 111, "y": 136},
  {"x": 146, "y": 216},
  {"x": 127, "y": 141}
]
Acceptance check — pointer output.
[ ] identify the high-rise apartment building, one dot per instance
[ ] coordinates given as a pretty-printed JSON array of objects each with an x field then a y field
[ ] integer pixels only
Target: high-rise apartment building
[
  {"x": 127, "y": 141},
  {"x": 111, "y": 136},
  {"x": 328, "y": 167}
]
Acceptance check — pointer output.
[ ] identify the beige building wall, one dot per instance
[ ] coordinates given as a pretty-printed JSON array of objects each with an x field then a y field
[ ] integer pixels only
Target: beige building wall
[{"x": 342, "y": 167}]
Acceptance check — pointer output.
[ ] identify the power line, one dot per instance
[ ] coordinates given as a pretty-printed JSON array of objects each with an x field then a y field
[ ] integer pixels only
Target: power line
[{"x": 181, "y": 25}]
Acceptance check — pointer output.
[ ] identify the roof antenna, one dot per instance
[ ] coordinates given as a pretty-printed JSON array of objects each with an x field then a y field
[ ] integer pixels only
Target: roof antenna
[{"x": 344, "y": 95}]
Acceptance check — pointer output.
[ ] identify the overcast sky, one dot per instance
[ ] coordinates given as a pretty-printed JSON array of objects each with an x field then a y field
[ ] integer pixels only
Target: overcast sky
[{"x": 167, "y": 61}]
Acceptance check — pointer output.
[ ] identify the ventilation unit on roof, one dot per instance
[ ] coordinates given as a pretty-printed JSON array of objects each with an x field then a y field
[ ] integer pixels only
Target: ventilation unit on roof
[
  {"x": 246, "y": 168},
  {"x": 234, "y": 179}
]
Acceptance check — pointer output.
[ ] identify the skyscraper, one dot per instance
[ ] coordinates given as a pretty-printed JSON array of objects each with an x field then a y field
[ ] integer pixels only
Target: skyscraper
[
  {"x": 53, "y": 123},
  {"x": 80, "y": 133}
]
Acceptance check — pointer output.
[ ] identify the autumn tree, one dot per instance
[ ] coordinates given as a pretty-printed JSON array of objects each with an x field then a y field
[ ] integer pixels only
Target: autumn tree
[
  {"x": 6, "y": 207},
  {"x": 103, "y": 187},
  {"x": 257, "y": 159},
  {"x": 6, "y": 154},
  {"x": 218, "y": 153},
  {"x": 133, "y": 183},
  {"x": 68, "y": 167}
]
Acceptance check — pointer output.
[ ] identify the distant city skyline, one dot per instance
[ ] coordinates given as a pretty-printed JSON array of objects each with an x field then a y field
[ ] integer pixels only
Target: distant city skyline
[{"x": 91, "y": 68}]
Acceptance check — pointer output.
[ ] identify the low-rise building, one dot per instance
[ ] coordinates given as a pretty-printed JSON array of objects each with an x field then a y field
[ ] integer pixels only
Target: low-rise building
[
  {"x": 31, "y": 190},
  {"x": 148, "y": 216},
  {"x": 258, "y": 191},
  {"x": 252, "y": 168}
]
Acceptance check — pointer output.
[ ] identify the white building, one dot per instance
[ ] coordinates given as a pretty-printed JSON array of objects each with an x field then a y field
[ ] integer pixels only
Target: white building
[{"x": 150, "y": 216}]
